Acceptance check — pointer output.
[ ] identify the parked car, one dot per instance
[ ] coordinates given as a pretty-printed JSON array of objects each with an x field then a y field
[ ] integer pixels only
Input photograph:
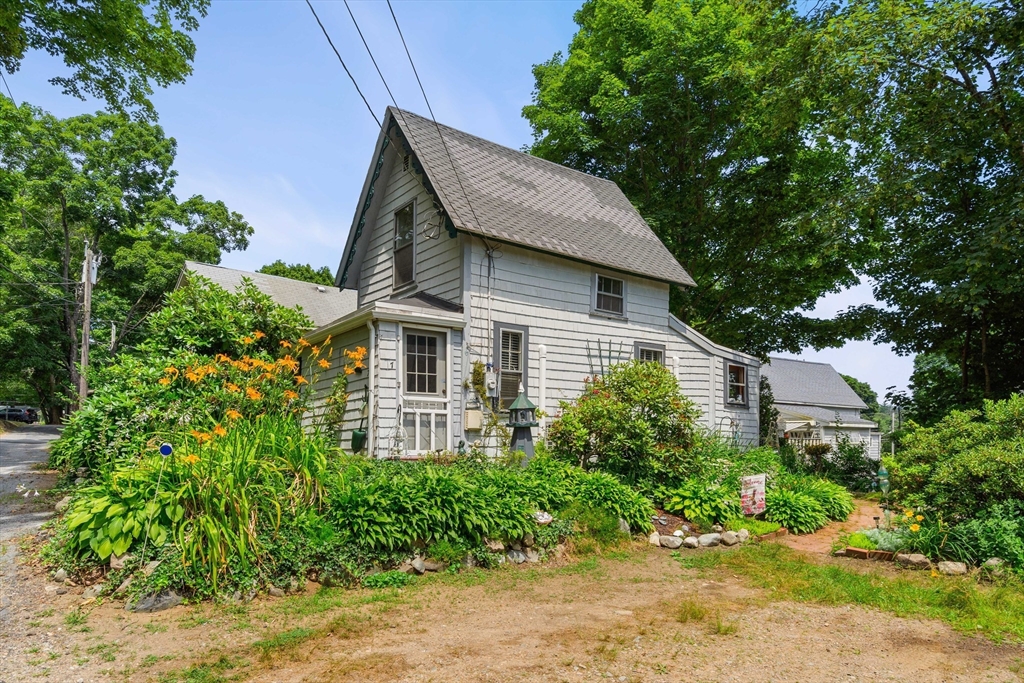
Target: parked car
[
  {"x": 33, "y": 415},
  {"x": 15, "y": 415}
]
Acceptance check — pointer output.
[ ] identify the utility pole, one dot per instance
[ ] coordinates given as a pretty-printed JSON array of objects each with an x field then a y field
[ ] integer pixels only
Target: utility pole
[{"x": 87, "y": 281}]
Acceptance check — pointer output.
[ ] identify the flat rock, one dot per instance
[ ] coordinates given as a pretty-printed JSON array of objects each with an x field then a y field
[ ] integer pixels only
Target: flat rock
[
  {"x": 156, "y": 602},
  {"x": 532, "y": 555},
  {"x": 517, "y": 556},
  {"x": 418, "y": 565},
  {"x": 60, "y": 576},
  {"x": 913, "y": 560},
  {"x": 679, "y": 532},
  {"x": 717, "y": 529},
  {"x": 671, "y": 542},
  {"x": 150, "y": 567},
  {"x": 691, "y": 542},
  {"x": 743, "y": 535},
  {"x": 123, "y": 587},
  {"x": 952, "y": 568},
  {"x": 275, "y": 592},
  {"x": 654, "y": 538},
  {"x": 495, "y": 546},
  {"x": 434, "y": 566},
  {"x": 118, "y": 561},
  {"x": 730, "y": 538},
  {"x": 406, "y": 568},
  {"x": 528, "y": 540},
  {"x": 92, "y": 592},
  {"x": 62, "y": 504},
  {"x": 623, "y": 526},
  {"x": 709, "y": 540}
]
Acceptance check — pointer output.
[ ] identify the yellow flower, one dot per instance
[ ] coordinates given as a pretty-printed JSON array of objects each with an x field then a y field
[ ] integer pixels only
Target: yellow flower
[
  {"x": 324, "y": 363},
  {"x": 299, "y": 379},
  {"x": 201, "y": 437},
  {"x": 286, "y": 344},
  {"x": 164, "y": 380},
  {"x": 220, "y": 431},
  {"x": 191, "y": 459},
  {"x": 171, "y": 370},
  {"x": 920, "y": 518},
  {"x": 253, "y": 394},
  {"x": 290, "y": 395},
  {"x": 232, "y": 387},
  {"x": 349, "y": 370},
  {"x": 258, "y": 334},
  {"x": 915, "y": 527},
  {"x": 223, "y": 358},
  {"x": 233, "y": 414},
  {"x": 247, "y": 340},
  {"x": 908, "y": 513},
  {"x": 192, "y": 377}
]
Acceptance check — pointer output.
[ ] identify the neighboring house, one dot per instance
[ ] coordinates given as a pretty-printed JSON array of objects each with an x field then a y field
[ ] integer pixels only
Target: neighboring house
[
  {"x": 465, "y": 253},
  {"x": 816, "y": 404}
]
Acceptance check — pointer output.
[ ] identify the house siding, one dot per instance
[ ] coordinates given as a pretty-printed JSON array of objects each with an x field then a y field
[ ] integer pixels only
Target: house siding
[
  {"x": 438, "y": 259},
  {"x": 551, "y": 296},
  {"x": 322, "y": 382}
]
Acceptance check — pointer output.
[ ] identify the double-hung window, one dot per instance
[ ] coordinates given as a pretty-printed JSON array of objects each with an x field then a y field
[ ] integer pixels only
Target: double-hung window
[
  {"x": 735, "y": 385},
  {"x": 425, "y": 396},
  {"x": 405, "y": 245},
  {"x": 511, "y": 343},
  {"x": 609, "y": 295}
]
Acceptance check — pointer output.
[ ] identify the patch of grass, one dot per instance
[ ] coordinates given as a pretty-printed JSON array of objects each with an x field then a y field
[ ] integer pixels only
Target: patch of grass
[
  {"x": 106, "y": 651},
  {"x": 389, "y": 579},
  {"x": 45, "y": 613},
  {"x": 722, "y": 627},
  {"x": 215, "y": 672},
  {"x": 584, "y": 566},
  {"x": 193, "y": 620},
  {"x": 690, "y": 610},
  {"x": 995, "y": 611},
  {"x": 75, "y": 618},
  {"x": 285, "y": 640},
  {"x": 154, "y": 627}
]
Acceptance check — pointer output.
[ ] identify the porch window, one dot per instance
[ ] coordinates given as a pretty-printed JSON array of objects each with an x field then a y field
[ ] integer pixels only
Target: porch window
[
  {"x": 736, "y": 385},
  {"x": 424, "y": 363},
  {"x": 405, "y": 245},
  {"x": 425, "y": 430},
  {"x": 610, "y": 295}
]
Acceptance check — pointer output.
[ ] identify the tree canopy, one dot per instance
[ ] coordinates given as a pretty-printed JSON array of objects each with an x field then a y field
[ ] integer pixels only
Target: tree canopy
[
  {"x": 299, "y": 271},
  {"x": 109, "y": 180},
  {"x": 704, "y": 113},
  {"x": 115, "y": 49}
]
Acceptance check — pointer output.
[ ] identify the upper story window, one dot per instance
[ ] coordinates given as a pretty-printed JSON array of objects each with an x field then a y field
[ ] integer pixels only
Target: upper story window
[
  {"x": 405, "y": 245},
  {"x": 735, "y": 385},
  {"x": 649, "y": 353},
  {"x": 609, "y": 295}
]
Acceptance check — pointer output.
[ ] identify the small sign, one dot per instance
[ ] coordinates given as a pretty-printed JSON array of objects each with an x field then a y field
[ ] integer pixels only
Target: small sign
[
  {"x": 752, "y": 494},
  {"x": 166, "y": 449}
]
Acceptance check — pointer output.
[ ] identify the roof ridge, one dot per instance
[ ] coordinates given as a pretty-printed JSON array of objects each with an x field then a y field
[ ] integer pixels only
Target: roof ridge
[
  {"x": 253, "y": 272},
  {"x": 511, "y": 149},
  {"x": 801, "y": 360}
]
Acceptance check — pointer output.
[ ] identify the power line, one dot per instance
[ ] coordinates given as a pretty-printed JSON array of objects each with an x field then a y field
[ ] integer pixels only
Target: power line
[
  {"x": 391, "y": 95},
  {"x": 432, "y": 117},
  {"x": 4, "y": 78},
  {"x": 343, "y": 66}
]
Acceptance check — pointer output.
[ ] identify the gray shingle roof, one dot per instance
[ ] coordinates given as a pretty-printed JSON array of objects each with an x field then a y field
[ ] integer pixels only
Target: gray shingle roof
[
  {"x": 322, "y": 307},
  {"x": 817, "y": 384},
  {"x": 521, "y": 199},
  {"x": 822, "y": 415}
]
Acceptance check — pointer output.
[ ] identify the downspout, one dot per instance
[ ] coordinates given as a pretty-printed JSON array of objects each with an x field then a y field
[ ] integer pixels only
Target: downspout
[
  {"x": 371, "y": 364},
  {"x": 542, "y": 352}
]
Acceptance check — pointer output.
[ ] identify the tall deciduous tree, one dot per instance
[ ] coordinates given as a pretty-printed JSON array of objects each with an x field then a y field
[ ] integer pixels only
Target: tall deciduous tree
[
  {"x": 299, "y": 271},
  {"x": 115, "y": 49},
  {"x": 932, "y": 94},
  {"x": 106, "y": 179},
  {"x": 705, "y": 114}
]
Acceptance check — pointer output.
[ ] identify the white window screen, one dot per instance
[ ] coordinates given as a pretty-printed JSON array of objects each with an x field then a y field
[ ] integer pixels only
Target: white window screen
[
  {"x": 650, "y": 355},
  {"x": 405, "y": 238},
  {"x": 610, "y": 297}
]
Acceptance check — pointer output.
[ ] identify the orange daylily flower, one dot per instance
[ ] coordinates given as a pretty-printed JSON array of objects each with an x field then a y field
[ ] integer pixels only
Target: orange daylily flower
[
  {"x": 290, "y": 395},
  {"x": 171, "y": 370},
  {"x": 201, "y": 437},
  {"x": 247, "y": 340},
  {"x": 286, "y": 344},
  {"x": 192, "y": 377},
  {"x": 258, "y": 334},
  {"x": 359, "y": 365},
  {"x": 253, "y": 394},
  {"x": 303, "y": 342},
  {"x": 220, "y": 431},
  {"x": 164, "y": 380},
  {"x": 349, "y": 370},
  {"x": 299, "y": 379},
  {"x": 191, "y": 459},
  {"x": 233, "y": 414},
  {"x": 316, "y": 351},
  {"x": 324, "y": 363},
  {"x": 223, "y": 358},
  {"x": 328, "y": 340},
  {"x": 232, "y": 387}
]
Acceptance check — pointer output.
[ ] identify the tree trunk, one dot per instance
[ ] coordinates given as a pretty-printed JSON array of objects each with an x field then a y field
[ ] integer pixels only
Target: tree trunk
[{"x": 984, "y": 354}]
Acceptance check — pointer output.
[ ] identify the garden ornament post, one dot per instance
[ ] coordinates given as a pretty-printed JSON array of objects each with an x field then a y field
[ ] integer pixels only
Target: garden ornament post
[
  {"x": 883, "y": 485},
  {"x": 522, "y": 419}
]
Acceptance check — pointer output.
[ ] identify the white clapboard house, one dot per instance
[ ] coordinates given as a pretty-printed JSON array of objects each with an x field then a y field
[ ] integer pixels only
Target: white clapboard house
[{"x": 465, "y": 252}]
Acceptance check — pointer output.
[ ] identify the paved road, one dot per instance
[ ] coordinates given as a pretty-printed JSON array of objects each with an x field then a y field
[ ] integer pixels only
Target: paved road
[{"x": 23, "y": 454}]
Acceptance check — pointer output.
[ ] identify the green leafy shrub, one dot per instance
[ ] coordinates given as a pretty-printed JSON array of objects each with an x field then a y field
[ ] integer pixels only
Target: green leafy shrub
[
  {"x": 798, "y": 512},
  {"x": 633, "y": 422},
  {"x": 850, "y": 465},
  {"x": 997, "y": 532},
  {"x": 861, "y": 540},
  {"x": 703, "y": 503},
  {"x": 756, "y": 527},
  {"x": 447, "y": 552},
  {"x": 389, "y": 579},
  {"x": 891, "y": 541},
  {"x": 738, "y": 463},
  {"x": 970, "y": 461},
  {"x": 835, "y": 501}
]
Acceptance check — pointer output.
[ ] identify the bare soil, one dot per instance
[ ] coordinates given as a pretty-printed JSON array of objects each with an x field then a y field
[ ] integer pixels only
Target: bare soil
[{"x": 821, "y": 541}]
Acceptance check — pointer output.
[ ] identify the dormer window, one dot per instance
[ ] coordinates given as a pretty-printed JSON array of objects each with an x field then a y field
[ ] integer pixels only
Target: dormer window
[
  {"x": 405, "y": 245},
  {"x": 609, "y": 295}
]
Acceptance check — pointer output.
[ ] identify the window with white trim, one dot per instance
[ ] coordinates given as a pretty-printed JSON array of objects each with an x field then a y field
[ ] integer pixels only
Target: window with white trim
[
  {"x": 735, "y": 385},
  {"x": 650, "y": 354},
  {"x": 511, "y": 367},
  {"x": 405, "y": 245},
  {"x": 610, "y": 295},
  {"x": 424, "y": 363},
  {"x": 425, "y": 420}
]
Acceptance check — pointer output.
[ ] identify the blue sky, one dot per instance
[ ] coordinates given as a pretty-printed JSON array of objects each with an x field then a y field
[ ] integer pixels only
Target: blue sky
[{"x": 270, "y": 123}]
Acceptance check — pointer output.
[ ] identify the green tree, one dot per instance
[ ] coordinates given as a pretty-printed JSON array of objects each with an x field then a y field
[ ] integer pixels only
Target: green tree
[
  {"x": 875, "y": 411},
  {"x": 932, "y": 95},
  {"x": 706, "y": 114},
  {"x": 115, "y": 49},
  {"x": 299, "y": 271},
  {"x": 106, "y": 179}
]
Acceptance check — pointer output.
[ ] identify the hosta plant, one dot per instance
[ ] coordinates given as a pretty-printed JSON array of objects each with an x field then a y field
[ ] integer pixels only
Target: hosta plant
[
  {"x": 798, "y": 512},
  {"x": 701, "y": 502}
]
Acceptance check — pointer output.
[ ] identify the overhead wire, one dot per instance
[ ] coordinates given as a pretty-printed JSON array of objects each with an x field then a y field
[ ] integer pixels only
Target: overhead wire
[
  {"x": 432, "y": 117},
  {"x": 392, "y": 96},
  {"x": 4, "y": 78}
]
